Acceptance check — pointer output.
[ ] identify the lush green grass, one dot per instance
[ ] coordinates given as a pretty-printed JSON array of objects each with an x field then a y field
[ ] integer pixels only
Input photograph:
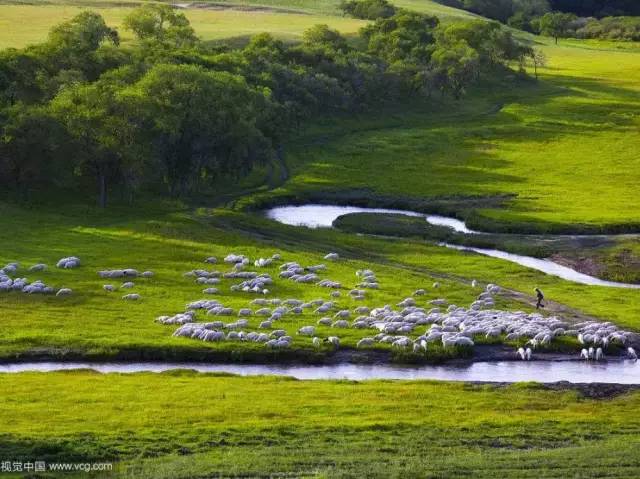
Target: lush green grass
[
  {"x": 190, "y": 425},
  {"x": 169, "y": 242},
  {"x": 566, "y": 145},
  {"x": 23, "y": 23},
  {"x": 217, "y": 24}
]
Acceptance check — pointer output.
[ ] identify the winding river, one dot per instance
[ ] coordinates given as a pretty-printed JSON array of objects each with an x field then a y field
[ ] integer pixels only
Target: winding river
[
  {"x": 323, "y": 216},
  {"x": 612, "y": 372}
]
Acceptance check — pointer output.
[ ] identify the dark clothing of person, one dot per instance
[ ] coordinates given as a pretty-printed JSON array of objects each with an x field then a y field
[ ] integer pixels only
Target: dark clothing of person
[{"x": 540, "y": 299}]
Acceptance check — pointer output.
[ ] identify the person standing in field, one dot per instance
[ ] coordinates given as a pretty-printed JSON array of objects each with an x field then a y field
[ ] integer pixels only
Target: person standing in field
[{"x": 540, "y": 297}]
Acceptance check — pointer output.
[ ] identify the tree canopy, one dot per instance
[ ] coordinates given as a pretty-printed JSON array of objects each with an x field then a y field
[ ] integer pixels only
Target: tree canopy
[{"x": 171, "y": 115}]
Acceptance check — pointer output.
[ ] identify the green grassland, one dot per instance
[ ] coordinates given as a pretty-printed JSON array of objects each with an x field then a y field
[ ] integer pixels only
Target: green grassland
[
  {"x": 209, "y": 24},
  {"x": 25, "y": 23},
  {"x": 170, "y": 241},
  {"x": 184, "y": 424},
  {"x": 566, "y": 145}
]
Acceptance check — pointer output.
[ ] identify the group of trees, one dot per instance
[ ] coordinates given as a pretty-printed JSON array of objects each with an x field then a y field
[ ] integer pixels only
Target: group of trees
[
  {"x": 368, "y": 9},
  {"x": 562, "y": 25},
  {"x": 173, "y": 115},
  {"x": 612, "y": 19}
]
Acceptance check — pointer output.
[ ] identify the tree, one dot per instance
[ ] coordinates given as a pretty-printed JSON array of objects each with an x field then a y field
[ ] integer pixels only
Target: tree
[
  {"x": 406, "y": 38},
  {"x": 368, "y": 9},
  {"x": 162, "y": 23},
  {"x": 201, "y": 125},
  {"x": 102, "y": 133},
  {"x": 458, "y": 63},
  {"x": 556, "y": 24},
  {"x": 323, "y": 36},
  {"x": 538, "y": 60},
  {"x": 31, "y": 143}
]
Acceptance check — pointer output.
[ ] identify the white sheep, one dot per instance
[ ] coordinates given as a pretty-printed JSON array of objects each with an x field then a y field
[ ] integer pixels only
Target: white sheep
[
  {"x": 365, "y": 342},
  {"x": 334, "y": 340},
  {"x": 109, "y": 288},
  {"x": 64, "y": 292},
  {"x": 131, "y": 297},
  {"x": 307, "y": 331}
]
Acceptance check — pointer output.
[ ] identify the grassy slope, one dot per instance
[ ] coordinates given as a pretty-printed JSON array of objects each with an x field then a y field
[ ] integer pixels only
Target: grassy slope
[
  {"x": 209, "y": 24},
  {"x": 188, "y": 425},
  {"x": 286, "y": 19},
  {"x": 566, "y": 146}
]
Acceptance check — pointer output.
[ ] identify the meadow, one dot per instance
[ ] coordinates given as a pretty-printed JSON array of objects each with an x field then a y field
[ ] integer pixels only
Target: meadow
[
  {"x": 553, "y": 154},
  {"x": 183, "y": 424},
  {"x": 564, "y": 146},
  {"x": 223, "y": 20}
]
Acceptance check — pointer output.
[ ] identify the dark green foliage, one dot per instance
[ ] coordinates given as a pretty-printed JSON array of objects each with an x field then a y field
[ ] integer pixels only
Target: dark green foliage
[
  {"x": 556, "y": 24},
  {"x": 597, "y": 8},
  {"x": 175, "y": 116},
  {"x": 611, "y": 28},
  {"x": 368, "y": 9}
]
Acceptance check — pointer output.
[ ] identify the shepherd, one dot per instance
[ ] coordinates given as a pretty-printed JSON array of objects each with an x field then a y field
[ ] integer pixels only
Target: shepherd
[{"x": 540, "y": 297}]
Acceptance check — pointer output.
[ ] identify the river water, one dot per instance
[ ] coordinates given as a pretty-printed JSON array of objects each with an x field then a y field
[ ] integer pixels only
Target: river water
[
  {"x": 615, "y": 371},
  {"x": 323, "y": 216}
]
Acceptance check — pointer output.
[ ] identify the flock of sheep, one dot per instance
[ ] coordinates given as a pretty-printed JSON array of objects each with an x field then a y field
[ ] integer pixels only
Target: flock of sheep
[
  {"x": 406, "y": 326},
  {"x": 7, "y": 283}
]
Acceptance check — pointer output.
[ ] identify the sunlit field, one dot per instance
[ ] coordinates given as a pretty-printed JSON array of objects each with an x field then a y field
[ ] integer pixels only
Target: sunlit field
[
  {"x": 189, "y": 425},
  {"x": 549, "y": 154}
]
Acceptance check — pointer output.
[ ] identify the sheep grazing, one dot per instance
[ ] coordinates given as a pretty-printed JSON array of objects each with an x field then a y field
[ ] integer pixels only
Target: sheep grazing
[
  {"x": 210, "y": 291},
  {"x": 334, "y": 341},
  {"x": 307, "y": 331},
  {"x": 521, "y": 353},
  {"x": 68, "y": 263},
  {"x": 436, "y": 285},
  {"x": 211, "y": 260},
  {"x": 631, "y": 354},
  {"x": 365, "y": 342},
  {"x": 109, "y": 288},
  {"x": 528, "y": 353},
  {"x": 147, "y": 274},
  {"x": 131, "y": 297},
  {"x": 599, "y": 354},
  {"x": 127, "y": 285},
  {"x": 332, "y": 257},
  {"x": 263, "y": 262},
  {"x": 64, "y": 292},
  {"x": 419, "y": 292},
  {"x": 10, "y": 268},
  {"x": 36, "y": 268},
  {"x": 236, "y": 258}
]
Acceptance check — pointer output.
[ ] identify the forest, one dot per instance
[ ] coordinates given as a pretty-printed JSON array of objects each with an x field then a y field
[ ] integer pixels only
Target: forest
[{"x": 172, "y": 116}]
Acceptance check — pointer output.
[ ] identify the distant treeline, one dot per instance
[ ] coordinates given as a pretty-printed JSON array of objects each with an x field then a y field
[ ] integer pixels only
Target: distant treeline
[
  {"x": 597, "y": 8},
  {"x": 176, "y": 116},
  {"x": 607, "y": 19},
  {"x": 502, "y": 10}
]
